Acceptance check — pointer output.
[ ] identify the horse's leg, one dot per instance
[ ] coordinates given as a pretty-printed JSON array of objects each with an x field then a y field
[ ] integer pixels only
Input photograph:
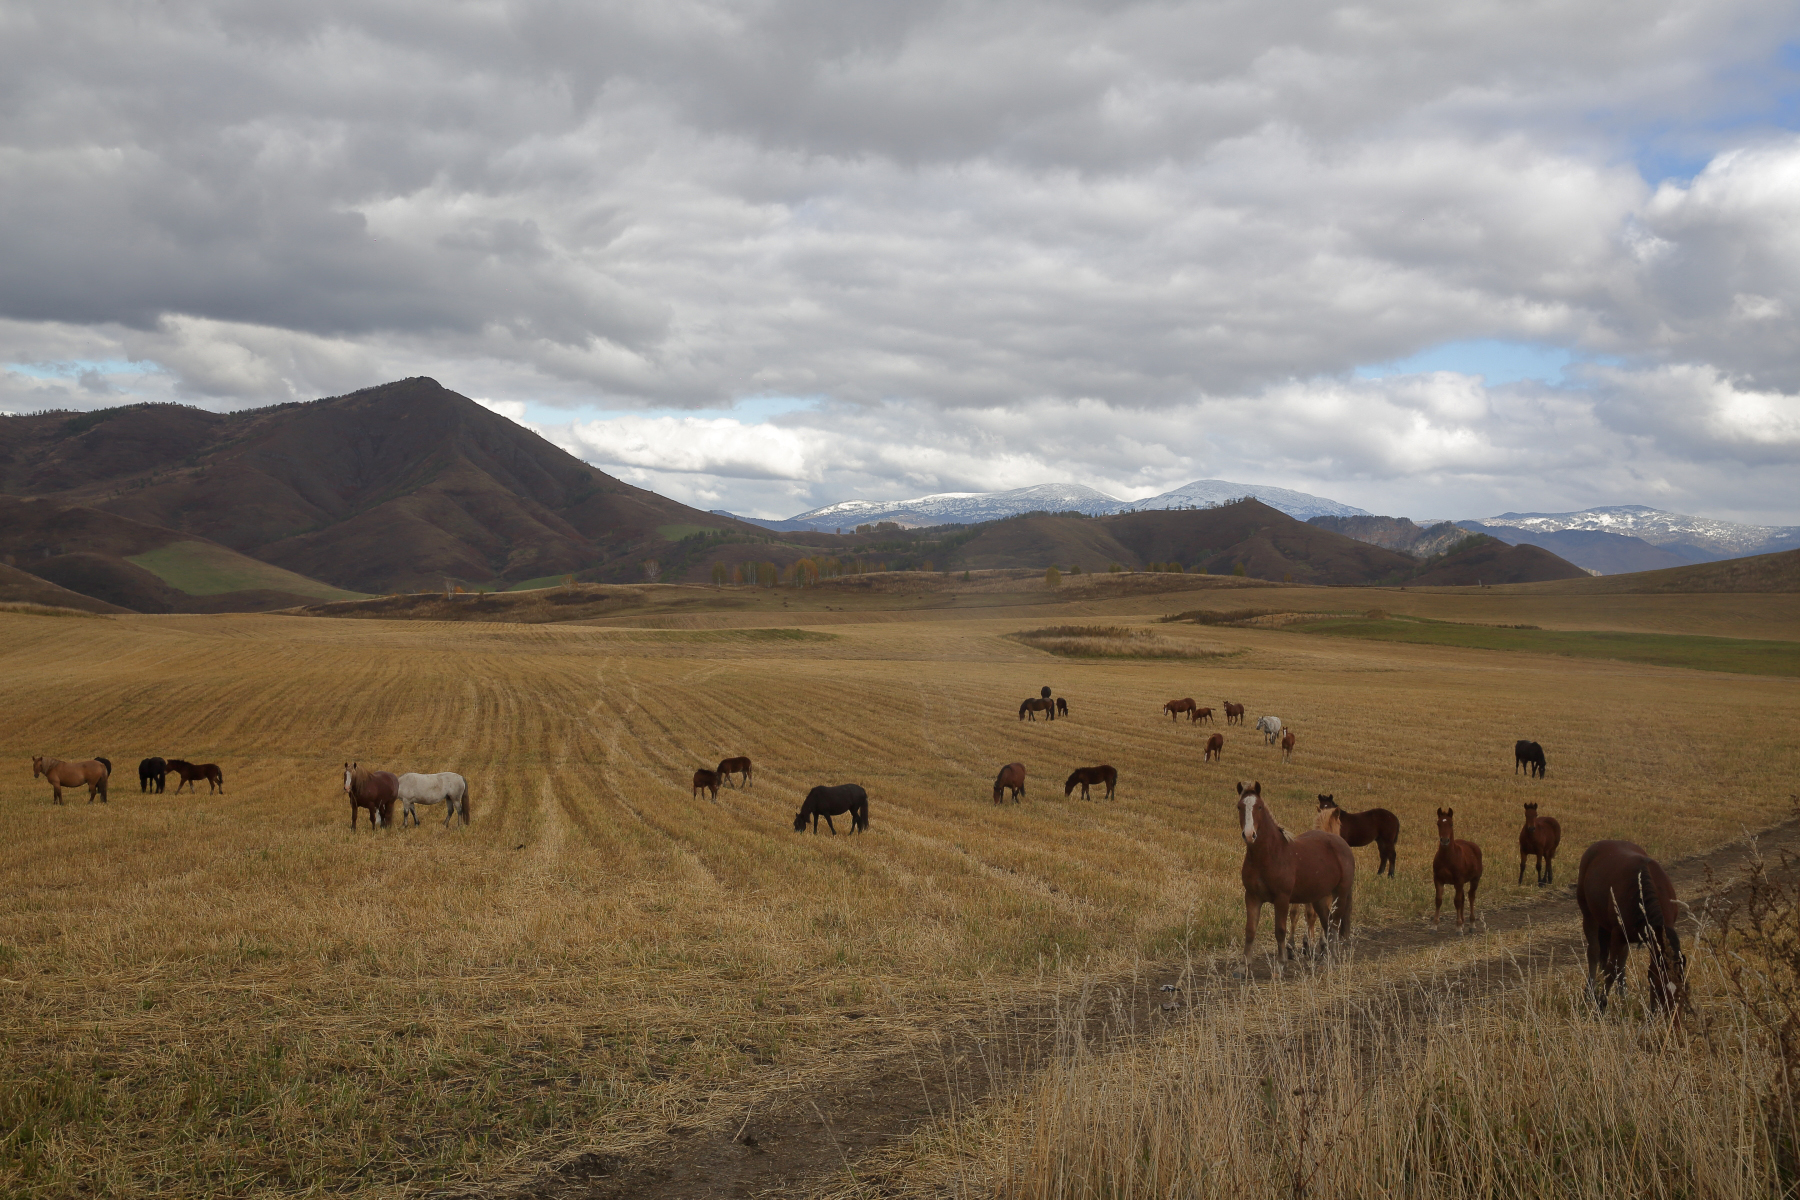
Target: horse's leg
[
  {"x": 1252, "y": 916},
  {"x": 1550, "y": 872},
  {"x": 1282, "y": 948},
  {"x": 1523, "y": 855},
  {"x": 828, "y": 825},
  {"x": 1474, "y": 886}
]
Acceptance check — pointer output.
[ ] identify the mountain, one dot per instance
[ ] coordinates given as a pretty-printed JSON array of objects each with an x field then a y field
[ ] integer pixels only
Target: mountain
[
  {"x": 1596, "y": 550},
  {"x": 1492, "y": 561},
  {"x": 1693, "y": 539},
  {"x": 1395, "y": 533},
  {"x": 1203, "y": 493}
]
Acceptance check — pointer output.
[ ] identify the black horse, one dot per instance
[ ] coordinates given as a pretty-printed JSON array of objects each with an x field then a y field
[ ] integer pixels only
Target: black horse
[
  {"x": 829, "y": 802},
  {"x": 1529, "y": 755},
  {"x": 152, "y": 771}
]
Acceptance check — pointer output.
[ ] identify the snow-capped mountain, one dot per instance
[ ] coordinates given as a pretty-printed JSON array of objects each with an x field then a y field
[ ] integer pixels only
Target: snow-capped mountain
[
  {"x": 1204, "y": 492},
  {"x": 1697, "y": 539}
]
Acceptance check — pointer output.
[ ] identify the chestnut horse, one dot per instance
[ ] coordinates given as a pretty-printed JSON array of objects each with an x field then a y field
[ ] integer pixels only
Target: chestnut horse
[
  {"x": 1176, "y": 707},
  {"x": 1376, "y": 825},
  {"x": 733, "y": 766},
  {"x": 829, "y": 802},
  {"x": 1201, "y": 714},
  {"x": 1034, "y": 705},
  {"x": 91, "y": 773},
  {"x": 1234, "y": 713},
  {"x": 1625, "y": 896},
  {"x": 1090, "y": 777},
  {"x": 1287, "y": 745},
  {"x": 1540, "y": 837},
  {"x": 1215, "y": 749},
  {"x": 1315, "y": 870},
  {"x": 1458, "y": 863},
  {"x": 1012, "y": 775},
  {"x": 189, "y": 772},
  {"x": 704, "y": 779},
  {"x": 373, "y": 790}
]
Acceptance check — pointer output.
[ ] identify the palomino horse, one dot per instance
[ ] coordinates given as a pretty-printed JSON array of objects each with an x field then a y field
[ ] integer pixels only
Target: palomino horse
[
  {"x": 1089, "y": 777},
  {"x": 1012, "y": 776},
  {"x": 153, "y": 773},
  {"x": 733, "y": 766},
  {"x": 189, "y": 772},
  {"x": 1215, "y": 749},
  {"x": 1539, "y": 838},
  {"x": 1315, "y": 870},
  {"x": 1529, "y": 755},
  {"x": 1234, "y": 713},
  {"x": 91, "y": 773},
  {"x": 704, "y": 780},
  {"x": 1035, "y": 705},
  {"x": 829, "y": 802},
  {"x": 445, "y": 787},
  {"x": 1458, "y": 864},
  {"x": 373, "y": 790},
  {"x": 1376, "y": 825},
  {"x": 1625, "y": 896},
  {"x": 1287, "y": 745},
  {"x": 1176, "y": 707}
]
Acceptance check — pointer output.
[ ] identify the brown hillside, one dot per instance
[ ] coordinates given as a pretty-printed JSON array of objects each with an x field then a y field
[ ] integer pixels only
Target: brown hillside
[
  {"x": 1039, "y": 540},
  {"x": 1395, "y": 533},
  {"x": 22, "y": 587},
  {"x": 1778, "y": 572},
  {"x": 1494, "y": 561}
]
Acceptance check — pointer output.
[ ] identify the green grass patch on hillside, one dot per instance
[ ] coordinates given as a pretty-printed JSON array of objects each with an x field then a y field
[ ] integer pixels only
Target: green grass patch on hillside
[
  {"x": 541, "y": 582},
  {"x": 676, "y": 532},
  {"x": 1742, "y": 655},
  {"x": 200, "y": 569}
]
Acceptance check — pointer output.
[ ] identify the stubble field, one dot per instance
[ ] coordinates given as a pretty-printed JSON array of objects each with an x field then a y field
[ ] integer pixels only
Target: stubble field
[{"x": 236, "y": 994}]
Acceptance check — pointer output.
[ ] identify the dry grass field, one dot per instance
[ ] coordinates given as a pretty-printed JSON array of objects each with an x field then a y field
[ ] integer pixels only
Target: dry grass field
[{"x": 230, "y": 995}]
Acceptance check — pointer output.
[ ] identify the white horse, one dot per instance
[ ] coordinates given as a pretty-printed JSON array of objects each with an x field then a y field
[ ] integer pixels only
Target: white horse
[
  {"x": 446, "y": 788},
  {"x": 1270, "y": 728}
]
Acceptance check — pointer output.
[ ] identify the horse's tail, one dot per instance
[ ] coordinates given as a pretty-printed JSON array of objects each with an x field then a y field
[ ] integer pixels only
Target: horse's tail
[
  {"x": 105, "y": 762},
  {"x": 465, "y": 803}
]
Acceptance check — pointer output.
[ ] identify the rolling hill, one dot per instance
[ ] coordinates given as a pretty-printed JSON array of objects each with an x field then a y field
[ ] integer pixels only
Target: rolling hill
[
  {"x": 1778, "y": 572},
  {"x": 1491, "y": 561}
]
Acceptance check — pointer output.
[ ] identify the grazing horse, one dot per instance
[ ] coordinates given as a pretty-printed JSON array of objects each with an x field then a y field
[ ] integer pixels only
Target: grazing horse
[
  {"x": 1012, "y": 776},
  {"x": 829, "y": 802},
  {"x": 1062, "y": 707},
  {"x": 373, "y": 790},
  {"x": 1625, "y": 896},
  {"x": 190, "y": 772},
  {"x": 91, "y": 773},
  {"x": 1270, "y": 728},
  {"x": 1091, "y": 777},
  {"x": 1201, "y": 714},
  {"x": 152, "y": 771},
  {"x": 1458, "y": 863},
  {"x": 1376, "y": 825},
  {"x": 1176, "y": 707},
  {"x": 1215, "y": 749},
  {"x": 1033, "y": 705},
  {"x": 446, "y": 788},
  {"x": 1234, "y": 713},
  {"x": 1529, "y": 755},
  {"x": 733, "y": 766},
  {"x": 1315, "y": 870},
  {"x": 1539, "y": 838},
  {"x": 1287, "y": 745},
  {"x": 704, "y": 779}
]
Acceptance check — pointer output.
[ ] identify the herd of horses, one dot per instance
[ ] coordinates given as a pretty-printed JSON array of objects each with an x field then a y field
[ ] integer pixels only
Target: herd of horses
[
  {"x": 96, "y": 773},
  {"x": 376, "y": 792}
]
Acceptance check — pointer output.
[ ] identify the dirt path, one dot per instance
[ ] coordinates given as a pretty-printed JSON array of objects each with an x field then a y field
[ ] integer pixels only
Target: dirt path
[{"x": 789, "y": 1143}]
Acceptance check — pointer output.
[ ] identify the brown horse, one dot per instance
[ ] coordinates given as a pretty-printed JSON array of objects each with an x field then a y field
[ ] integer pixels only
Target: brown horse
[
  {"x": 1540, "y": 837},
  {"x": 733, "y": 766},
  {"x": 1091, "y": 777},
  {"x": 1376, "y": 825},
  {"x": 189, "y": 772},
  {"x": 1315, "y": 870},
  {"x": 1201, "y": 714},
  {"x": 1035, "y": 705},
  {"x": 1062, "y": 707},
  {"x": 1215, "y": 749},
  {"x": 373, "y": 790},
  {"x": 1458, "y": 863},
  {"x": 1012, "y": 776},
  {"x": 1234, "y": 713},
  {"x": 1287, "y": 745},
  {"x": 1625, "y": 896},
  {"x": 91, "y": 773},
  {"x": 705, "y": 779},
  {"x": 1176, "y": 707}
]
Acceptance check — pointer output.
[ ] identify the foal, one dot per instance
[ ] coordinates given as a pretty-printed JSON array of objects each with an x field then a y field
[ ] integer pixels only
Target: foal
[{"x": 1540, "y": 838}]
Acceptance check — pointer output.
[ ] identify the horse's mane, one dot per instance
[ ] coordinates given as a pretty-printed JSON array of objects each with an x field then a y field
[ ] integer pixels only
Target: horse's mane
[{"x": 360, "y": 774}]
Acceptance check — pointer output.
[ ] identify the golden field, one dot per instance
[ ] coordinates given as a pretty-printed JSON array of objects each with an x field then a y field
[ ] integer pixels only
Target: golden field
[{"x": 236, "y": 994}]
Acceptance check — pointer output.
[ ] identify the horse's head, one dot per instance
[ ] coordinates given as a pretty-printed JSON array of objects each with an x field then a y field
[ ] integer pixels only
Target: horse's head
[
  {"x": 349, "y": 779},
  {"x": 800, "y": 817},
  {"x": 1327, "y": 802},
  {"x": 1248, "y": 799},
  {"x": 37, "y": 766},
  {"x": 1069, "y": 784},
  {"x": 1668, "y": 974},
  {"x": 1531, "y": 816},
  {"x": 1446, "y": 823}
]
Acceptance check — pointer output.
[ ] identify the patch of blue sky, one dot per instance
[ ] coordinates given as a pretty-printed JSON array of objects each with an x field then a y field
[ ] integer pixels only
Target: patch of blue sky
[
  {"x": 751, "y": 410},
  {"x": 76, "y": 368},
  {"x": 1497, "y": 361}
]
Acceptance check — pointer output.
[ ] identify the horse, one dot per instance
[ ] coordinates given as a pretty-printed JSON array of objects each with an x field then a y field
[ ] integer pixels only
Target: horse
[
  {"x": 829, "y": 802},
  {"x": 1376, "y": 825},
  {"x": 1215, "y": 749},
  {"x": 373, "y": 790},
  {"x": 733, "y": 766},
  {"x": 704, "y": 779},
  {"x": 152, "y": 771},
  {"x": 1540, "y": 837},
  {"x": 91, "y": 773},
  {"x": 1062, "y": 707},
  {"x": 1270, "y": 728},
  {"x": 1458, "y": 863},
  {"x": 1529, "y": 755},
  {"x": 446, "y": 788},
  {"x": 1176, "y": 707},
  {"x": 1287, "y": 745},
  {"x": 1034, "y": 705},
  {"x": 1200, "y": 714},
  {"x": 1012, "y": 776},
  {"x": 1625, "y": 896},
  {"x": 1044, "y": 692},
  {"x": 1234, "y": 713},
  {"x": 190, "y": 772},
  {"x": 1315, "y": 870},
  {"x": 1089, "y": 777}
]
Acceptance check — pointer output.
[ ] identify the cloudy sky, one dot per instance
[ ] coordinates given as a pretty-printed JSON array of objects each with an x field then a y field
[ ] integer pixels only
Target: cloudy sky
[{"x": 1441, "y": 258}]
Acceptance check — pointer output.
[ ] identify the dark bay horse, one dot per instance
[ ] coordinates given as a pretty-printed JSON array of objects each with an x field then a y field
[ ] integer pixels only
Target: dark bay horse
[
  {"x": 1234, "y": 713},
  {"x": 704, "y": 780},
  {"x": 1034, "y": 705},
  {"x": 1176, "y": 707},
  {"x": 1625, "y": 896},
  {"x": 1011, "y": 776},
  {"x": 1215, "y": 749},
  {"x": 1089, "y": 777},
  {"x": 153, "y": 773},
  {"x": 91, "y": 773},
  {"x": 373, "y": 790},
  {"x": 1539, "y": 838},
  {"x": 1458, "y": 864},
  {"x": 829, "y": 802},
  {"x": 189, "y": 772},
  {"x": 1529, "y": 755},
  {"x": 1376, "y": 825},
  {"x": 1062, "y": 707},
  {"x": 733, "y": 766},
  {"x": 1315, "y": 870}
]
